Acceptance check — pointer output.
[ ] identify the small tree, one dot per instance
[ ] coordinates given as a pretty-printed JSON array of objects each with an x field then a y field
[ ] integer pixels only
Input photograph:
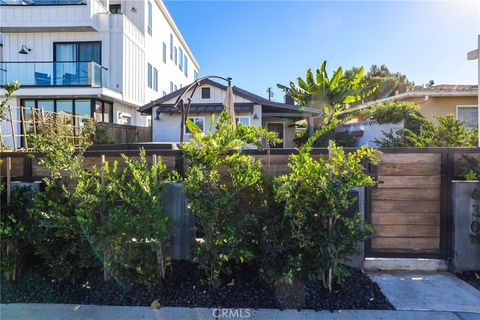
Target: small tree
[
  {"x": 218, "y": 178},
  {"x": 58, "y": 238},
  {"x": 121, "y": 213},
  {"x": 447, "y": 132},
  {"x": 316, "y": 195}
]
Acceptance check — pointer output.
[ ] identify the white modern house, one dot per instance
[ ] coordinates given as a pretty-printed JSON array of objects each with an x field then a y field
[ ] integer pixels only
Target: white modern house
[
  {"x": 100, "y": 58},
  {"x": 208, "y": 99}
]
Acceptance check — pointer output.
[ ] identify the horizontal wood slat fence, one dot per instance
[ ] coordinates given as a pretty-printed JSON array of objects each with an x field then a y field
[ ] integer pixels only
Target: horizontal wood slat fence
[
  {"x": 121, "y": 133},
  {"x": 409, "y": 209}
]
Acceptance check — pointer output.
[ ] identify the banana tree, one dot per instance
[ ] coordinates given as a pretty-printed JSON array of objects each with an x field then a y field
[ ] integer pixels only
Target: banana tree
[{"x": 328, "y": 93}]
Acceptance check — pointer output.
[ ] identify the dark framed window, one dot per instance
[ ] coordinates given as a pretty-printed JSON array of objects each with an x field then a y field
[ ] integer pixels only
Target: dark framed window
[
  {"x": 149, "y": 76},
  {"x": 180, "y": 59},
  {"x": 171, "y": 46},
  {"x": 101, "y": 110},
  {"x": 155, "y": 79},
  {"x": 164, "y": 53},
  {"x": 206, "y": 93},
  {"x": 78, "y": 51},
  {"x": 115, "y": 8}
]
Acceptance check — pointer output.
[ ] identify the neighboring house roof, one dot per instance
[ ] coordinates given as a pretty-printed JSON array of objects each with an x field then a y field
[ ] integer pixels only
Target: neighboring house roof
[
  {"x": 441, "y": 90},
  {"x": 255, "y": 99},
  {"x": 207, "y": 107}
]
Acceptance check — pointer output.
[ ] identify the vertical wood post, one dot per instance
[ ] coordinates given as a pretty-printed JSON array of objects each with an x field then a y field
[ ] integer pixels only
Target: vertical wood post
[
  {"x": 12, "y": 127},
  {"x": 9, "y": 178},
  {"x": 22, "y": 114}
]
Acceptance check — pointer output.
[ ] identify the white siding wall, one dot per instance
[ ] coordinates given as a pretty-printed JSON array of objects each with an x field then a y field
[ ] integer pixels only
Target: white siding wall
[
  {"x": 167, "y": 128},
  {"x": 126, "y": 46},
  {"x": 31, "y": 17}
]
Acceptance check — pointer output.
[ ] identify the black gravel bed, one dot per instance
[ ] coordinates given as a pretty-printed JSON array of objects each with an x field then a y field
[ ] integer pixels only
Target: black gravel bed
[
  {"x": 471, "y": 277},
  {"x": 183, "y": 289}
]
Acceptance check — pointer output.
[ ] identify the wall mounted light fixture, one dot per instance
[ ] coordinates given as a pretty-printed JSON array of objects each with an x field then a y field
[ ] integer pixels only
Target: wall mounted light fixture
[{"x": 24, "y": 50}]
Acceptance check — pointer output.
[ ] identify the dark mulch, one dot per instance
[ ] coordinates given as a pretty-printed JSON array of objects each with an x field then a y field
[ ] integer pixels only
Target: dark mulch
[
  {"x": 183, "y": 289},
  {"x": 472, "y": 277}
]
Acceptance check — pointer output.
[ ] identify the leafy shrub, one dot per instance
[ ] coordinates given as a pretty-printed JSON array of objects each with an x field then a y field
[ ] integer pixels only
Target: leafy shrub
[
  {"x": 123, "y": 219},
  {"x": 58, "y": 238},
  {"x": 14, "y": 225},
  {"x": 218, "y": 179},
  {"x": 447, "y": 132},
  {"x": 316, "y": 195},
  {"x": 395, "y": 112}
]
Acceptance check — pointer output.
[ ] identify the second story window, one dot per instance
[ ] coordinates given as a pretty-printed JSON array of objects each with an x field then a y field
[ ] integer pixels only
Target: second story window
[
  {"x": 115, "y": 8},
  {"x": 195, "y": 74},
  {"x": 164, "y": 53},
  {"x": 149, "y": 76},
  {"x": 155, "y": 79},
  {"x": 185, "y": 66},
  {"x": 171, "y": 86},
  {"x": 206, "y": 93},
  {"x": 175, "y": 56},
  {"x": 150, "y": 18},
  {"x": 171, "y": 46},
  {"x": 175, "y": 88},
  {"x": 180, "y": 59}
]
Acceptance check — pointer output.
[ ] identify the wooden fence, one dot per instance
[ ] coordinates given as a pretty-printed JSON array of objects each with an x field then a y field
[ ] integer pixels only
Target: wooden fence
[
  {"x": 120, "y": 133},
  {"x": 410, "y": 208}
]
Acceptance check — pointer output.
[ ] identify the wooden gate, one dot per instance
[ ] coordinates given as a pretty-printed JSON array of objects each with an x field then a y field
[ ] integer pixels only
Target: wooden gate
[{"x": 407, "y": 208}]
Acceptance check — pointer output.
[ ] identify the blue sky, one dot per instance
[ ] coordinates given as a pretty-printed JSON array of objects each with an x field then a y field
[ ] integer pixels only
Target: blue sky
[{"x": 262, "y": 43}]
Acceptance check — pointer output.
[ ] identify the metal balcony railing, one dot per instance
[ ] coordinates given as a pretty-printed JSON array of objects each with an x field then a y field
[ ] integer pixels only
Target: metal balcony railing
[{"x": 54, "y": 74}]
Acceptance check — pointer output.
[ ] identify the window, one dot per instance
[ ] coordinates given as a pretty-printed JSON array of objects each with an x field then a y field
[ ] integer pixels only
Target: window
[
  {"x": 205, "y": 93},
  {"x": 199, "y": 121},
  {"x": 164, "y": 93},
  {"x": 103, "y": 111},
  {"x": 180, "y": 58},
  {"x": 47, "y": 105},
  {"x": 175, "y": 88},
  {"x": 195, "y": 74},
  {"x": 149, "y": 76},
  {"x": 175, "y": 55},
  {"x": 150, "y": 18},
  {"x": 70, "y": 71},
  {"x": 65, "y": 106},
  {"x": 171, "y": 46},
  {"x": 171, "y": 86},
  {"x": 469, "y": 116},
  {"x": 83, "y": 108},
  {"x": 155, "y": 79},
  {"x": 245, "y": 120},
  {"x": 164, "y": 53},
  {"x": 115, "y": 8},
  {"x": 185, "y": 66}
]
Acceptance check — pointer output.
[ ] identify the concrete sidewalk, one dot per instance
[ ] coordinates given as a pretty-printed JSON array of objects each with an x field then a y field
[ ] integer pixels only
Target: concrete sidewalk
[
  {"x": 92, "y": 312},
  {"x": 424, "y": 291}
]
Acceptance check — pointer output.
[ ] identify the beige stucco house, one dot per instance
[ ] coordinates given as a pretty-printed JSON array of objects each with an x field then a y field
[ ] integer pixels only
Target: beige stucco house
[{"x": 461, "y": 101}]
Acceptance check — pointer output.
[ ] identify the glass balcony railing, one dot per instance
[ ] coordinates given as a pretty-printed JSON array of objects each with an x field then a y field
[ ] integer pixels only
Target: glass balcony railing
[
  {"x": 53, "y": 74},
  {"x": 41, "y": 2}
]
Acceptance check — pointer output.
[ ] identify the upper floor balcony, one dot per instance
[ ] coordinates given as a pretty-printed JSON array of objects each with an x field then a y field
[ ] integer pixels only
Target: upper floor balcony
[
  {"x": 53, "y": 74},
  {"x": 51, "y": 15}
]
